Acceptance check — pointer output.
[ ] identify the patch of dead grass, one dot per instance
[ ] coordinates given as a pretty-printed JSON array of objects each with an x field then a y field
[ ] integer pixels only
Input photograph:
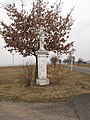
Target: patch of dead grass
[{"x": 63, "y": 85}]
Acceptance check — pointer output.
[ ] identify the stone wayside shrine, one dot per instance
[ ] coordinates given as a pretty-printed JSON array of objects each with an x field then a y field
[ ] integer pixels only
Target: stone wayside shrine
[{"x": 42, "y": 66}]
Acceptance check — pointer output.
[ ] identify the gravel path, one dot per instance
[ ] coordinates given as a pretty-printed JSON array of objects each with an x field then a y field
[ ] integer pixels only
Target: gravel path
[{"x": 76, "y": 109}]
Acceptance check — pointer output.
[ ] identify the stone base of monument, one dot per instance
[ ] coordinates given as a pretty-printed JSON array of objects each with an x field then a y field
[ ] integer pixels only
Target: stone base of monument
[{"x": 42, "y": 81}]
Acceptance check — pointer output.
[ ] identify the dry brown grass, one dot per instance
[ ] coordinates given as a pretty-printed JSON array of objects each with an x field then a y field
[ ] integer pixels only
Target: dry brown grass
[{"x": 63, "y": 85}]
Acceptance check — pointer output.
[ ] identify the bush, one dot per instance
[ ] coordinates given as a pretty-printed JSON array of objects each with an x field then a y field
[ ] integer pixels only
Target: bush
[
  {"x": 27, "y": 74},
  {"x": 54, "y": 60},
  {"x": 57, "y": 73}
]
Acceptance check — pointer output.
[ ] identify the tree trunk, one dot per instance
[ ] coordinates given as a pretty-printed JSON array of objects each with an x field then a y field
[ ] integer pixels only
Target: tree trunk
[{"x": 36, "y": 68}]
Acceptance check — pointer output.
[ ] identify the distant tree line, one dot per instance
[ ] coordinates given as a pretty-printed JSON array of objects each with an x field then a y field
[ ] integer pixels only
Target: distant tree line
[{"x": 69, "y": 60}]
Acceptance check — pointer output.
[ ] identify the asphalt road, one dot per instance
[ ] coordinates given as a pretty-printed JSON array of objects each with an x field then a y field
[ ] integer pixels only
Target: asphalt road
[
  {"x": 77, "y": 108},
  {"x": 81, "y": 69}
]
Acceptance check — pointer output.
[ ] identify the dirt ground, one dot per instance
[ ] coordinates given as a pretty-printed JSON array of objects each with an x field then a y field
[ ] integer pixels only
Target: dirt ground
[{"x": 75, "y": 109}]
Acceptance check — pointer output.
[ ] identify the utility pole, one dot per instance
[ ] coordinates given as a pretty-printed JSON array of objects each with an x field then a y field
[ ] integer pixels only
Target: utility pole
[
  {"x": 71, "y": 62},
  {"x": 13, "y": 59}
]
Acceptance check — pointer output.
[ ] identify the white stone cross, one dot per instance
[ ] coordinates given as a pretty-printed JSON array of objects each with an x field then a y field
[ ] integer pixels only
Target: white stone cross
[
  {"x": 41, "y": 37},
  {"x": 42, "y": 54}
]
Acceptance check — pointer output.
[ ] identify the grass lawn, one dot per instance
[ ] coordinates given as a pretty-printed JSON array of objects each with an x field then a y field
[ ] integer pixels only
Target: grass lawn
[{"x": 63, "y": 85}]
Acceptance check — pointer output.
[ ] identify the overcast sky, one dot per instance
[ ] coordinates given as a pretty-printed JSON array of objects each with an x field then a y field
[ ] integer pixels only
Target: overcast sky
[{"x": 80, "y": 32}]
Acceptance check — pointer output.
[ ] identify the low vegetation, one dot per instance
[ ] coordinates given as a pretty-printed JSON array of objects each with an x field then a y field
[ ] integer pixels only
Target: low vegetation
[{"x": 63, "y": 85}]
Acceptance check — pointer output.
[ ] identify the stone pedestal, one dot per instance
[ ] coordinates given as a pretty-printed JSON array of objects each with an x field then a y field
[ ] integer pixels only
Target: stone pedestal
[{"x": 42, "y": 68}]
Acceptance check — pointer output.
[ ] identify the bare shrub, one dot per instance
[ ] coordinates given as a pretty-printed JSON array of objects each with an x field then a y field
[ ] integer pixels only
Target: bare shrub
[
  {"x": 54, "y": 60},
  {"x": 27, "y": 74},
  {"x": 57, "y": 73}
]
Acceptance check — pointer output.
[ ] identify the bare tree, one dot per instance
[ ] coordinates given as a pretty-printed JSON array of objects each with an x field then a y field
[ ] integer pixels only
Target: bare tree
[
  {"x": 80, "y": 60},
  {"x": 21, "y": 35}
]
